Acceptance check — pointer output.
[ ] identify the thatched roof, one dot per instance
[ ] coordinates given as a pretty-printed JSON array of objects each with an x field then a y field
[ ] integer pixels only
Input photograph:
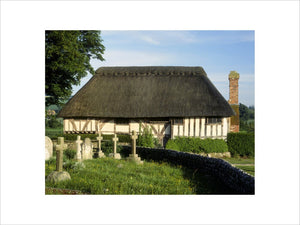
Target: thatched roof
[{"x": 145, "y": 92}]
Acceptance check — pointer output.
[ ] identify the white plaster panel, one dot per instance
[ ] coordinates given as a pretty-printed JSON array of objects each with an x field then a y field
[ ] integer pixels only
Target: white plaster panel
[
  {"x": 191, "y": 120},
  {"x": 208, "y": 130},
  {"x": 76, "y": 122},
  {"x": 214, "y": 130},
  {"x": 134, "y": 126},
  {"x": 122, "y": 128},
  {"x": 108, "y": 127},
  {"x": 202, "y": 131},
  {"x": 225, "y": 126},
  {"x": 186, "y": 127},
  {"x": 180, "y": 130},
  {"x": 219, "y": 130},
  {"x": 197, "y": 130},
  {"x": 175, "y": 130}
]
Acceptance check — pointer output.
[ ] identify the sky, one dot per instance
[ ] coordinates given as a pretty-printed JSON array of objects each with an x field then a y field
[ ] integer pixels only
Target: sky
[{"x": 218, "y": 52}]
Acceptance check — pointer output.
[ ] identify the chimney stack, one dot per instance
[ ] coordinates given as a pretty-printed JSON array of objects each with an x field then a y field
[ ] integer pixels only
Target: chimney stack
[{"x": 234, "y": 100}]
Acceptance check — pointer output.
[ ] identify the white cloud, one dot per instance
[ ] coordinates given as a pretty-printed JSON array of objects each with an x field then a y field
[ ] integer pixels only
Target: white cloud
[{"x": 150, "y": 40}]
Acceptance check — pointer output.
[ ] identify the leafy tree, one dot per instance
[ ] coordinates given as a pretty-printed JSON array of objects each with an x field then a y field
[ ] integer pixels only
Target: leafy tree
[
  {"x": 145, "y": 138},
  {"x": 244, "y": 112},
  {"x": 68, "y": 55}
]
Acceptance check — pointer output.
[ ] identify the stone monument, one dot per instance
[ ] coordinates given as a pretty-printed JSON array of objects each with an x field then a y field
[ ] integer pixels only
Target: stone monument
[
  {"x": 59, "y": 174},
  {"x": 87, "y": 149},
  {"x": 78, "y": 148},
  {"x": 48, "y": 148},
  {"x": 100, "y": 153},
  {"x": 134, "y": 157},
  {"x": 115, "y": 154}
]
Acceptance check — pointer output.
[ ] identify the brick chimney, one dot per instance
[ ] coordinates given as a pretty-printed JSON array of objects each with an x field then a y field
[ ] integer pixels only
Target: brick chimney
[{"x": 233, "y": 78}]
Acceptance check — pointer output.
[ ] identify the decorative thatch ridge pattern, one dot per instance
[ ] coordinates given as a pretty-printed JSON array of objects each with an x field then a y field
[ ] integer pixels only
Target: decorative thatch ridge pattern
[{"x": 147, "y": 92}]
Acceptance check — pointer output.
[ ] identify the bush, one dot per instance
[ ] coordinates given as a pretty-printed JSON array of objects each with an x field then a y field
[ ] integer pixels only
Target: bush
[
  {"x": 108, "y": 147},
  {"x": 145, "y": 138},
  {"x": 241, "y": 144},
  {"x": 69, "y": 153},
  {"x": 197, "y": 145}
]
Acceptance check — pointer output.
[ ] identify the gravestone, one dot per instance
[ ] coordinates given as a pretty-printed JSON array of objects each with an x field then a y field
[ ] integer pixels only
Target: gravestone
[
  {"x": 48, "y": 148},
  {"x": 115, "y": 154},
  {"x": 59, "y": 174},
  {"x": 100, "y": 153},
  {"x": 87, "y": 149},
  {"x": 60, "y": 147},
  {"x": 133, "y": 156},
  {"x": 78, "y": 148}
]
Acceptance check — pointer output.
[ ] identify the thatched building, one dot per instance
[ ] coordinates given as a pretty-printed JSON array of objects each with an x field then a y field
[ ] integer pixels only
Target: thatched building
[{"x": 173, "y": 101}]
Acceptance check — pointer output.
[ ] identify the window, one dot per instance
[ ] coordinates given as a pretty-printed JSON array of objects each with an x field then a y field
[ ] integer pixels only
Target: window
[
  {"x": 213, "y": 120},
  {"x": 178, "y": 121},
  {"x": 122, "y": 121}
]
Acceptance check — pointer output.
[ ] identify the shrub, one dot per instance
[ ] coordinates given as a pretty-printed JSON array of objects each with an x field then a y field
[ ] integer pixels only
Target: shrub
[
  {"x": 197, "y": 145},
  {"x": 241, "y": 144},
  {"x": 108, "y": 147},
  {"x": 69, "y": 153},
  {"x": 145, "y": 138}
]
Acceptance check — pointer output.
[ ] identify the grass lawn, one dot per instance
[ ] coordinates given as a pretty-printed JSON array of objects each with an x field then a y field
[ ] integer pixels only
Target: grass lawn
[
  {"x": 247, "y": 169},
  {"x": 110, "y": 176},
  {"x": 249, "y": 166},
  {"x": 240, "y": 160},
  {"x": 53, "y": 132}
]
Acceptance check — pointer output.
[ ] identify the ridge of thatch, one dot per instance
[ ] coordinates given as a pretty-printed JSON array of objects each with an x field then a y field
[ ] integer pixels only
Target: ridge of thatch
[{"x": 147, "y": 92}]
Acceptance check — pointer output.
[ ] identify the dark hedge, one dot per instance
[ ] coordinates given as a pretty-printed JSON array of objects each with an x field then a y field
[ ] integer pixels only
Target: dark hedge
[
  {"x": 197, "y": 145},
  {"x": 241, "y": 144}
]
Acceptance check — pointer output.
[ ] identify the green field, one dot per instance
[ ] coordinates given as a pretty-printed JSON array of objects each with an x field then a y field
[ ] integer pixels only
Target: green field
[
  {"x": 240, "y": 160},
  {"x": 110, "y": 176},
  {"x": 247, "y": 169},
  {"x": 53, "y": 132},
  {"x": 245, "y": 164}
]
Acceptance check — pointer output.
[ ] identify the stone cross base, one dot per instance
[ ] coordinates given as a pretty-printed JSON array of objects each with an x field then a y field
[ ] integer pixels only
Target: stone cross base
[
  {"x": 115, "y": 155},
  {"x": 101, "y": 154},
  {"x": 57, "y": 176},
  {"x": 135, "y": 158}
]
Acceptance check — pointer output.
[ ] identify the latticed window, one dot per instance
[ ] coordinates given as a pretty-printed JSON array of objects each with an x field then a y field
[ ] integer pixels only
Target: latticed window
[{"x": 213, "y": 120}]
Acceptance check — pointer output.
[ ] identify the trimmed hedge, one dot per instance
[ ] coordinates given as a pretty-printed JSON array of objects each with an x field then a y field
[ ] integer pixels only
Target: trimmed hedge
[
  {"x": 197, "y": 145},
  {"x": 241, "y": 144}
]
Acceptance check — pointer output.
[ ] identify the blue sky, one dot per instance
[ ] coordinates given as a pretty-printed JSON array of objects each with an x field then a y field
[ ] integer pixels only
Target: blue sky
[{"x": 218, "y": 52}]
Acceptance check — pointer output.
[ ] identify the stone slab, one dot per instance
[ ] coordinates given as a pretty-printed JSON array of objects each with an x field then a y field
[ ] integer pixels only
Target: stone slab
[
  {"x": 57, "y": 176},
  {"x": 134, "y": 158},
  {"x": 115, "y": 155},
  {"x": 48, "y": 148}
]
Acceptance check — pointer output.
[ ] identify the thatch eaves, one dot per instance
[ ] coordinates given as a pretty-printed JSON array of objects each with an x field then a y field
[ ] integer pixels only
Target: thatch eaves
[{"x": 147, "y": 92}]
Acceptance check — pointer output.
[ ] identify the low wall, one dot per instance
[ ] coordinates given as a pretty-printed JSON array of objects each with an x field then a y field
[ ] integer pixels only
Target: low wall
[{"x": 233, "y": 177}]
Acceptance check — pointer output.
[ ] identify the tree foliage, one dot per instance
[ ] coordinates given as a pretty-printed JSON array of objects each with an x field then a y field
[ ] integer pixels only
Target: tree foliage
[
  {"x": 246, "y": 118},
  {"x": 246, "y": 113},
  {"x": 68, "y": 55}
]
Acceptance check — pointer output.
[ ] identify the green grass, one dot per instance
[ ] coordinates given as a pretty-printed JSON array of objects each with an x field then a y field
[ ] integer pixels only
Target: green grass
[
  {"x": 250, "y": 169},
  {"x": 247, "y": 169},
  {"x": 240, "y": 160},
  {"x": 53, "y": 132},
  {"x": 110, "y": 176}
]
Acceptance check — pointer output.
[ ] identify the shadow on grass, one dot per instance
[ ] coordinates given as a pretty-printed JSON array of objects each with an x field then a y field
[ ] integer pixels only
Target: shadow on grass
[{"x": 205, "y": 183}]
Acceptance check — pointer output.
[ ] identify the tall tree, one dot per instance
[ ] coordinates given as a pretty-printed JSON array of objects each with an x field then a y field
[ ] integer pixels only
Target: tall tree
[{"x": 68, "y": 55}]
